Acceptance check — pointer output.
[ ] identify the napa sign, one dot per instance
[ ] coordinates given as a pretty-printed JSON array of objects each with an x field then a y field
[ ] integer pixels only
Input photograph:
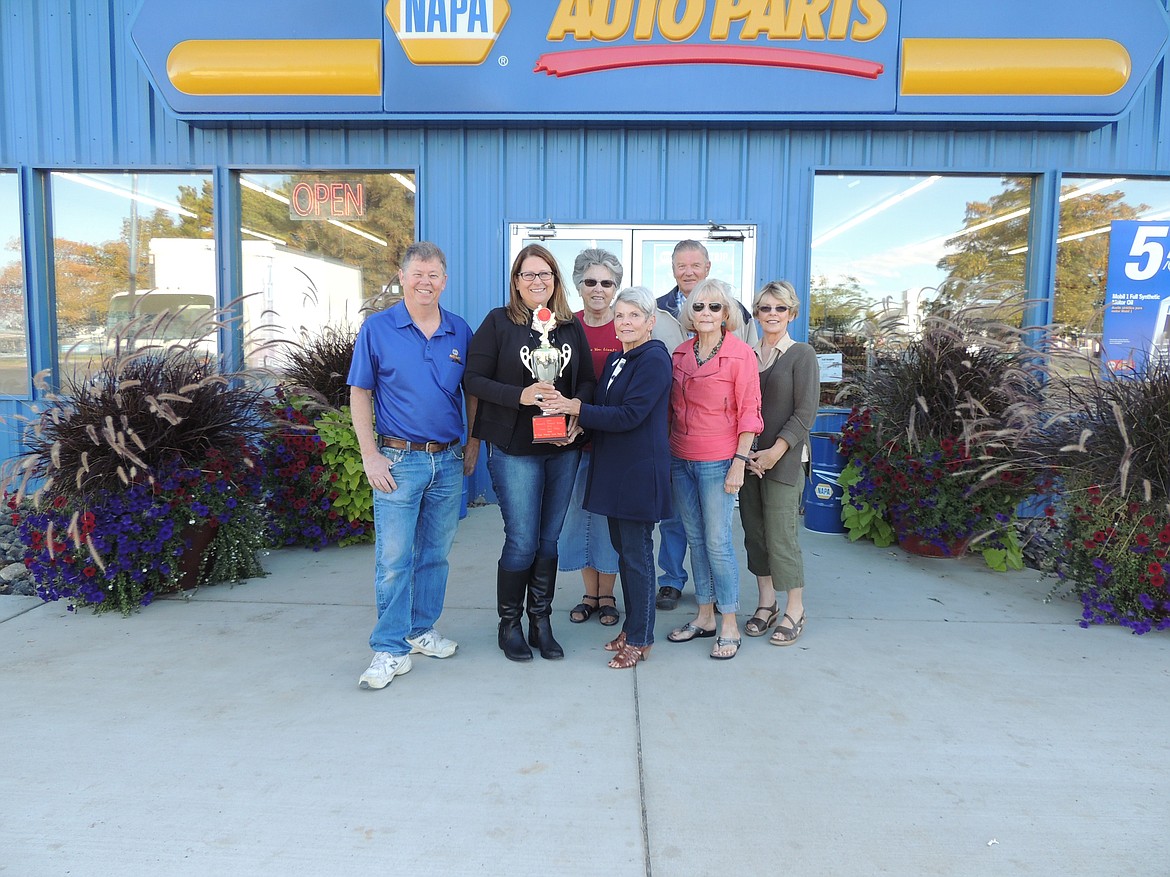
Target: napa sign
[{"x": 637, "y": 60}]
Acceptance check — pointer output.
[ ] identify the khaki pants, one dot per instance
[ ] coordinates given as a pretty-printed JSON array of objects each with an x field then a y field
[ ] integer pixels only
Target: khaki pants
[{"x": 768, "y": 510}]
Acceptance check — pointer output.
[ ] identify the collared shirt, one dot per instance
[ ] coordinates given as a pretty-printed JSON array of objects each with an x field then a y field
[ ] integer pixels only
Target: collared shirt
[
  {"x": 768, "y": 355},
  {"x": 415, "y": 380}
]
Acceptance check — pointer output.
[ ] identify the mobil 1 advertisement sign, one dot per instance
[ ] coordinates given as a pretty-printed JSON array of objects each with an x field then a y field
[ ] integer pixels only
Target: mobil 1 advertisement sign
[{"x": 1137, "y": 300}]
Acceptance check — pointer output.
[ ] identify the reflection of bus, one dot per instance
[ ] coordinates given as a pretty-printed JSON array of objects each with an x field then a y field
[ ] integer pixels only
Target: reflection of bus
[
  {"x": 187, "y": 317},
  {"x": 285, "y": 291}
]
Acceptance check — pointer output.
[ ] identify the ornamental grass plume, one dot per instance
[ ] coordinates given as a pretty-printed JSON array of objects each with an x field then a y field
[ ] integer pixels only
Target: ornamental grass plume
[
  {"x": 925, "y": 442},
  {"x": 319, "y": 365},
  {"x": 126, "y": 462},
  {"x": 120, "y": 423},
  {"x": 1102, "y": 439},
  {"x": 316, "y": 490}
]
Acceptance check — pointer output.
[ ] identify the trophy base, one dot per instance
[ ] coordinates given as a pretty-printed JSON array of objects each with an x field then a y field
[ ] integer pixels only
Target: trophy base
[{"x": 549, "y": 428}]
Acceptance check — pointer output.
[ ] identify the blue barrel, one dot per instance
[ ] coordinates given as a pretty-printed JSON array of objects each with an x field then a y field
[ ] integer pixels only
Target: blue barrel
[
  {"x": 830, "y": 419},
  {"x": 822, "y": 493}
]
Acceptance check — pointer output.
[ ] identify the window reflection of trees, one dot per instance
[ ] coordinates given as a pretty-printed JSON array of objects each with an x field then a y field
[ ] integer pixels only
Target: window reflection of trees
[
  {"x": 101, "y": 284},
  {"x": 13, "y": 324},
  {"x": 1082, "y": 257},
  {"x": 389, "y": 219},
  {"x": 907, "y": 247},
  {"x": 91, "y": 273}
]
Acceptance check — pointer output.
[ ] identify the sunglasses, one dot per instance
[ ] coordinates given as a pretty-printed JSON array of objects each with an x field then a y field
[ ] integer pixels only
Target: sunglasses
[
  {"x": 714, "y": 306},
  {"x": 605, "y": 284},
  {"x": 767, "y": 309}
]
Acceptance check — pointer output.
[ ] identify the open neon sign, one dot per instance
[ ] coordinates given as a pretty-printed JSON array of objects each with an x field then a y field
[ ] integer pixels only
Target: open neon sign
[{"x": 341, "y": 199}]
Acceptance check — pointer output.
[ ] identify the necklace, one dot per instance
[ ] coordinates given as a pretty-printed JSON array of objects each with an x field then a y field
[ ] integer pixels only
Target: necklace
[{"x": 699, "y": 359}]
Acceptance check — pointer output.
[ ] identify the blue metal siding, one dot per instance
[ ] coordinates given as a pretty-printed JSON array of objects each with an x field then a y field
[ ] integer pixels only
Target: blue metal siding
[{"x": 72, "y": 95}]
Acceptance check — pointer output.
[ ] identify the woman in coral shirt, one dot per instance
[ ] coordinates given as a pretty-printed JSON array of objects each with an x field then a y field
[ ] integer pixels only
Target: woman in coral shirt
[{"x": 715, "y": 416}]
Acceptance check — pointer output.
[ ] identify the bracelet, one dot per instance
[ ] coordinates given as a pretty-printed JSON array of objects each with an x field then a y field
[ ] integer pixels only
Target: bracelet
[{"x": 742, "y": 457}]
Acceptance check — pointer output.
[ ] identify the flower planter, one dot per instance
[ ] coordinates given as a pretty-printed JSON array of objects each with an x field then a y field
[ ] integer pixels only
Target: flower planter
[
  {"x": 193, "y": 561},
  {"x": 911, "y": 543}
]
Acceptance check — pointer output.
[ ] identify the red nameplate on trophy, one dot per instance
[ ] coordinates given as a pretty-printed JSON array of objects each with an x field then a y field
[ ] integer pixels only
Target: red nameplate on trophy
[{"x": 550, "y": 428}]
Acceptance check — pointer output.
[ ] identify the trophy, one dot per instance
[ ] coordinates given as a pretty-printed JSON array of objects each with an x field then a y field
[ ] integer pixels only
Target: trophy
[{"x": 546, "y": 363}]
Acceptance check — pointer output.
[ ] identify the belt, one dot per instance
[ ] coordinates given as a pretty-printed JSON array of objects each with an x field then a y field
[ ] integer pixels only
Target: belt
[{"x": 389, "y": 441}]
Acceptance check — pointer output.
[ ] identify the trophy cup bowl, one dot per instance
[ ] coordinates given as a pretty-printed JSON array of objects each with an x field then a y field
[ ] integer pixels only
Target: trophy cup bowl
[{"x": 546, "y": 364}]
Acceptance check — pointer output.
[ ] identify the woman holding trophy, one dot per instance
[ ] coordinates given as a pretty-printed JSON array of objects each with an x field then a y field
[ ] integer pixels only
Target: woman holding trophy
[{"x": 524, "y": 356}]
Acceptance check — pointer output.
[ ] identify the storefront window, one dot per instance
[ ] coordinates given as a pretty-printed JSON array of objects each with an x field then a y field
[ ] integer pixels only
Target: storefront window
[
  {"x": 318, "y": 249},
  {"x": 1087, "y": 206},
  {"x": 14, "y": 377},
  {"x": 133, "y": 263},
  {"x": 898, "y": 247}
]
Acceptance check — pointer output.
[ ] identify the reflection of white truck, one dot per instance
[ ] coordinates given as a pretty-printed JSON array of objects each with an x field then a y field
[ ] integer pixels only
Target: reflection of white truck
[{"x": 285, "y": 292}]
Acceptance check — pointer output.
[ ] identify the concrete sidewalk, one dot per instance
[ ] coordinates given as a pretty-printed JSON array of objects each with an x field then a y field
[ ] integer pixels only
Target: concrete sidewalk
[{"x": 935, "y": 718}]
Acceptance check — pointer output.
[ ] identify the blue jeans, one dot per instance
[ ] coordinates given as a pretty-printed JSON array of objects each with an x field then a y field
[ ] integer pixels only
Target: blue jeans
[
  {"x": 635, "y": 547},
  {"x": 534, "y": 492},
  {"x": 672, "y": 549},
  {"x": 585, "y": 540},
  {"x": 414, "y": 527},
  {"x": 706, "y": 509}
]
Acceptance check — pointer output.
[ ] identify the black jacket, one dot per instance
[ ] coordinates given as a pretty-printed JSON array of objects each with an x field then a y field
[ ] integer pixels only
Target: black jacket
[{"x": 496, "y": 376}]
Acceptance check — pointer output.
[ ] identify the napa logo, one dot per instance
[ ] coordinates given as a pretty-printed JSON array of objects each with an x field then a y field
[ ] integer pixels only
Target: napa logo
[
  {"x": 447, "y": 31},
  {"x": 823, "y": 491}
]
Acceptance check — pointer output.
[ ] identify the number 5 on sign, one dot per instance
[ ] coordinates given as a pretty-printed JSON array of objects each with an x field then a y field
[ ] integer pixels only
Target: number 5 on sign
[{"x": 1147, "y": 253}]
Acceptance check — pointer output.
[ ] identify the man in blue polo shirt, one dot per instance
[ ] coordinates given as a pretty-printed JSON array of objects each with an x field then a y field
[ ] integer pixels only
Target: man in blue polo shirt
[{"x": 406, "y": 377}]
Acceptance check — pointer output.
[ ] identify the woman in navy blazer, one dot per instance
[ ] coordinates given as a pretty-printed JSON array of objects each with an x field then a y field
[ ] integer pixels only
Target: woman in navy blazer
[{"x": 629, "y": 481}]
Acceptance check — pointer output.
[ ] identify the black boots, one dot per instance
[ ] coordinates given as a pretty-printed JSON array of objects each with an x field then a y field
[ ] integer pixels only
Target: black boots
[
  {"x": 540, "y": 597},
  {"x": 540, "y": 583},
  {"x": 510, "y": 587}
]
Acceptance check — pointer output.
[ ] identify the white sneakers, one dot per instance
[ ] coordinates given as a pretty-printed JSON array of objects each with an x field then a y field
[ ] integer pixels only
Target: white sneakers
[
  {"x": 432, "y": 644},
  {"x": 383, "y": 669},
  {"x": 386, "y": 666}
]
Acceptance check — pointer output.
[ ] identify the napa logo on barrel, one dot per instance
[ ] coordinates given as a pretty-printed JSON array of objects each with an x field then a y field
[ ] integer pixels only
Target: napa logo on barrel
[
  {"x": 823, "y": 491},
  {"x": 447, "y": 31}
]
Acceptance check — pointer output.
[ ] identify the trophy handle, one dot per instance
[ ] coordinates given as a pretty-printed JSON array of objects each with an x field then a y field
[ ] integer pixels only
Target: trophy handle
[
  {"x": 566, "y": 355},
  {"x": 525, "y": 359}
]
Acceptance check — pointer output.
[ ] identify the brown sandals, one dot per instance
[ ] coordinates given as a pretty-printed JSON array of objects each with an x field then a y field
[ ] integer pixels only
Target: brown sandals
[
  {"x": 785, "y": 635},
  {"x": 759, "y": 626},
  {"x": 616, "y": 644},
  {"x": 629, "y": 656}
]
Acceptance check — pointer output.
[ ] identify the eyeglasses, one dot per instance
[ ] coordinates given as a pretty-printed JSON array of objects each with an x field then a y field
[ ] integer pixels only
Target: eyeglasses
[
  {"x": 767, "y": 309},
  {"x": 714, "y": 306},
  {"x": 529, "y": 276},
  {"x": 590, "y": 282}
]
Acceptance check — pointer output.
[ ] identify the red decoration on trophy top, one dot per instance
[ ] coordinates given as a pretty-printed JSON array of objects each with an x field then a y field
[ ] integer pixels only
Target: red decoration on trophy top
[{"x": 544, "y": 315}]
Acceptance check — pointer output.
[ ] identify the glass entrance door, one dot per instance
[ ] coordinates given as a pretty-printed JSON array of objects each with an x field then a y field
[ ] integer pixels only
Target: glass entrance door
[{"x": 644, "y": 251}]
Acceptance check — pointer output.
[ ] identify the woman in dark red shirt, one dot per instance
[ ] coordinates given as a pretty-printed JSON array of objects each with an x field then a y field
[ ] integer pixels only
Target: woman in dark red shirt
[{"x": 585, "y": 543}]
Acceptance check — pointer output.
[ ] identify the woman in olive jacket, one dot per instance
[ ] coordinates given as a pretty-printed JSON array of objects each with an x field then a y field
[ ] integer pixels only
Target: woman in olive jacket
[
  {"x": 532, "y": 480},
  {"x": 768, "y": 503}
]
